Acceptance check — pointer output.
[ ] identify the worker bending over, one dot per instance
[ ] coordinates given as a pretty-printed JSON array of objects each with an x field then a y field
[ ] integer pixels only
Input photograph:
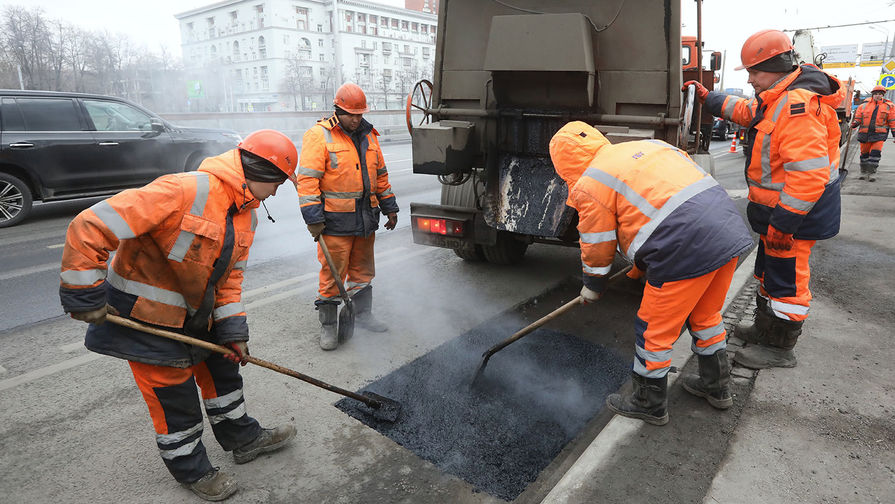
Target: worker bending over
[
  {"x": 342, "y": 189},
  {"x": 182, "y": 243},
  {"x": 792, "y": 169},
  {"x": 682, "y": 232}
]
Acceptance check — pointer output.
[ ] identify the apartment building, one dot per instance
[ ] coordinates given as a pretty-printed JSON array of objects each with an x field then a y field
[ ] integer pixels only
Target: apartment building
[{"x": 278, "y": 55}]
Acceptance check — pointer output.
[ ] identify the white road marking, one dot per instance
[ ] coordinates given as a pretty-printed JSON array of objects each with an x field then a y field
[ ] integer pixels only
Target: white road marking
[
  {"x": 2, "y": 369},
  {"x": 58, "y": 245},
  {"x": 71, "y": 347},
  {"x": 47, "y": 371},
  {"x": 30, "y": 270},
  {"x": 84, "y": 359}
]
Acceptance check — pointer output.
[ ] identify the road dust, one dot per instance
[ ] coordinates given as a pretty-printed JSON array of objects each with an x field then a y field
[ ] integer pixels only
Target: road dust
[{"x": 533, "y": 398}]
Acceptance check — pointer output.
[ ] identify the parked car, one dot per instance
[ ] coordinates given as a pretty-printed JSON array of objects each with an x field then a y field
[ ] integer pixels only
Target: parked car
[
  {"x": 721, "y": 128},
  {"x": 56, "y": 146}
]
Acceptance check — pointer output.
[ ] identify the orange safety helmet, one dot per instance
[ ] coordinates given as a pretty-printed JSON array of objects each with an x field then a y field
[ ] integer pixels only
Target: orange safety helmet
[
  {"x": 274, "y": 147},
  {"x": 878, "y": 89},
  {"x": 351, "y": 98},
  {"x": 763, "y": 46}
]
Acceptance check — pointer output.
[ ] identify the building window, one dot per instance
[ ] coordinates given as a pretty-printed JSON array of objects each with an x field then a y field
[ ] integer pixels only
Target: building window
[
  {"x": 320, "y": 28},
  {"x": 394, "y": 24},
  {"x": 265, "y": 81},
  {"x": 361, "y": 18},
  {"x": 301, "y": 18},
  {"x": 415, "y": 27},
  {"x": 322, "y": 57},
  {"x": 320, "y": 42},
  {"x": 210, "y": 22},
  {"x": 384, "y": 21},
  {"x": 233, "y": 17},
  {"x": 404, "y": 25},
  {"x": 425, "y": 52},
  {"x": 373, "y": 19},
  {"x": 259, "y": 8},
  {"x": 262, "y": 47},
  {"x": 235, "y": 51},
  {"x": 424, "y": 29}
]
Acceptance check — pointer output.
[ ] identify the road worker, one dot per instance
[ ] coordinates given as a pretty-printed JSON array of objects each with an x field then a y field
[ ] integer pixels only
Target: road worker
[
  {"x": 342, "y": 188},
  {"x": 875, "y": 117},
  {"x": 681, "y": 231},
  {"x": 792, "y": 169},
  {"x": 182, "y": 242}
]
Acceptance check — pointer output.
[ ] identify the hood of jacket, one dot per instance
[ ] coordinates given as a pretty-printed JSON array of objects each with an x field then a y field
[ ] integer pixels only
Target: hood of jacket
[
  {"x": 828, "y": 88},
  {"x": 227, "y": 168},
  {"x": 573, "y": 148}
]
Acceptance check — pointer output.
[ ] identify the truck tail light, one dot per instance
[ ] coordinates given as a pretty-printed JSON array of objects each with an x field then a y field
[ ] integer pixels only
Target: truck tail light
[{"x": 445, "y": 227}]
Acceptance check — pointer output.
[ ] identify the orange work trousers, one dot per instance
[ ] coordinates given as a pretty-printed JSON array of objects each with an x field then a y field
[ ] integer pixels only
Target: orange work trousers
[
  {"x": 784, "y": 276},
  {"x": 353, "y": 258},
  {"x": 176, "y": 413},
  {"x": 667, "y": 307}
]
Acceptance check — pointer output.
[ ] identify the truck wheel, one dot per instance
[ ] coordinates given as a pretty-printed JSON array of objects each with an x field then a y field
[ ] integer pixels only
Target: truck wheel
[
  {"x": 507, "y": 250},
  {"x": 15, "y": 200},
  {"x": 471, "y": 255}
]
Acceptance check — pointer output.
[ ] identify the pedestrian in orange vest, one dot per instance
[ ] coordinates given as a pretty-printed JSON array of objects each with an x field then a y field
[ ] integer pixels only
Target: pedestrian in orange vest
[
  {"x": 875, "y": 117},
  {"x": 792, "y": 169},
  {"x": 680, "y": 229},
  {"x": 342, "y": 189},
  {"x": 182, "y": 243}
]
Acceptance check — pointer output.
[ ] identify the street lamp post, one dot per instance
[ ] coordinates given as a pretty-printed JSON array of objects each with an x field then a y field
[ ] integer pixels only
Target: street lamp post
[{"x": 887, "y": 53}]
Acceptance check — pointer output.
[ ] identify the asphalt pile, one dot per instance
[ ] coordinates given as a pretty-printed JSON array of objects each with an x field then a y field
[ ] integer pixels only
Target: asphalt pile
[{"x": 533, "y": 398}]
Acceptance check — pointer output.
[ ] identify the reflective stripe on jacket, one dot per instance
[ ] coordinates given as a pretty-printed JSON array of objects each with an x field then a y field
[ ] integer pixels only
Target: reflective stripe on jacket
[
  {"x": 875, "y": 118},
  {"x": 167, "y": 236},
  {"x": 659, "y": 208},
  {"x": 337, "y": 186},
  {"x": 792, "y": 166}
]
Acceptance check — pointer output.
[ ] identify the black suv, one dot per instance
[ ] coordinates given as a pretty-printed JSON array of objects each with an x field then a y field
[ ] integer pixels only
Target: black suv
[{"x": 56, "y": 146}]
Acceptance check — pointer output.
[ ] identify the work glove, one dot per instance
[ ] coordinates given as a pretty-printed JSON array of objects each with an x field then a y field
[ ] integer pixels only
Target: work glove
[
  {"x": 97, "y": 316},
  {"x": 240, "y": 352},
  {"x": 777, "y": 240},
  {"x": 855, "y": 124},
  {"x": 701, "y": 92},
  {"x": 316, "y": 229},
  {"x": 589, "y": 296},
  {"x": 392, "y": 221},
  {"x": 635, "y": 273}
]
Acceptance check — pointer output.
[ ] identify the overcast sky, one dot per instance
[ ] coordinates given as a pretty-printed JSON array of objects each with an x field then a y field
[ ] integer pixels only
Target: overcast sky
[{"x": 725, "y": 24}]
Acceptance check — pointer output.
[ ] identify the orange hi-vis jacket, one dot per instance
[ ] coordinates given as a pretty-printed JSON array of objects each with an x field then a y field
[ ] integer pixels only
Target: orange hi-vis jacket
[
  {"x": 652, "y": 202},
  {"x": 168, "y": 235},
  {"x": 875, "y": 118},
  {"x": 339, "y": 187},
  {"x": 792, "y": 166}
]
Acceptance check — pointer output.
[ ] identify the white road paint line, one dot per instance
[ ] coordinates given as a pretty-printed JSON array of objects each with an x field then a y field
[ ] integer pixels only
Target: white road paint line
[
  {"x": 398, "y": 160},
  {"x": 33, "y": 237},
  {"x": 40, "y": 268},
  {"x": 71, "y": 347},
  {"x": 84, "y": 359},
  {"x": 292, "y": 292},
  {"x": 58, "y": 245},
  {"x": 2, "y": 369},
  {"x": 47, "y": 371},
  {"x": 302, "y": 278}
]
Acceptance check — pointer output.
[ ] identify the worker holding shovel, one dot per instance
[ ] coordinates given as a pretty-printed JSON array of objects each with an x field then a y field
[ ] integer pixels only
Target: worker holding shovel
[
  {"x": 181, "y": 246},
  {"x": 343, "y": 188},
  {"x": 681, "y": 230}
]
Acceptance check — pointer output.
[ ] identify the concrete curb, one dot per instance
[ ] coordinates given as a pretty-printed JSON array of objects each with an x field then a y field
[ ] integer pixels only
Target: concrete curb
[{"x": 620, "y": 429}]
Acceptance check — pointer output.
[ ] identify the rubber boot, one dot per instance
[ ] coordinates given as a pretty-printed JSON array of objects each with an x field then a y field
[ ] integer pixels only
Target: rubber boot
[
  {"x": 713, "y": 381},
  {"x": 648, "y": 401},
  {"x": 214, "y": 486},
  {"x": 363, "y": 311},
  {"x": 778, "y": 352},
  {"x": 328, "y": 313},
  {"x": 268, "y": 441},
  {"x": 756, "y": 332}
]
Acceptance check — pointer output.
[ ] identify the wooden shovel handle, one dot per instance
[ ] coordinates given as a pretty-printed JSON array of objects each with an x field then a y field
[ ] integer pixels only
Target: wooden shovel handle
[{"x": 248, "y": 358}]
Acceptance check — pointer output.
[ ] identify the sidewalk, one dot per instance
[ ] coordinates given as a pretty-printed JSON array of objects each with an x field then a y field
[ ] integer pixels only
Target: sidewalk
[{"x": 821, "y": 432}]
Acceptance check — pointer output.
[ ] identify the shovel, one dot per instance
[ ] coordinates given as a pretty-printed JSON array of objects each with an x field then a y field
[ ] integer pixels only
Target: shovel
[
  {"x": 346, "y": 314},
  {"x": 531, "y": 327},
  {"x": 381, "y": 408}
]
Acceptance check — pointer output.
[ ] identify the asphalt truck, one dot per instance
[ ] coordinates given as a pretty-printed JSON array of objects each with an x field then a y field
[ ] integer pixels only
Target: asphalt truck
[{"x": 508, "y": 75}]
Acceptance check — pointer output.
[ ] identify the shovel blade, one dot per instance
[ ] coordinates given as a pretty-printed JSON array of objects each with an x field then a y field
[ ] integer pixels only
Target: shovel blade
[
  {"x": 388, "y": 411},
  {"x": 346, "y": 323}
]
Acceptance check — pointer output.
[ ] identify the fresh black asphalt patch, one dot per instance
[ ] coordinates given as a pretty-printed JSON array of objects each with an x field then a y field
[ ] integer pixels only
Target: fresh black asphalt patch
[{"x": 534, "y": 397}]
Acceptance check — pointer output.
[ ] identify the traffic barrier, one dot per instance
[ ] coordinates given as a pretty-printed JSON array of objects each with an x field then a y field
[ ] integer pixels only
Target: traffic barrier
[{"x": 733, "y": 144}]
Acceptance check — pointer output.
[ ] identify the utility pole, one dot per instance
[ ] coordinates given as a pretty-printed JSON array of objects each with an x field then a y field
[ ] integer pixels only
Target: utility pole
[{"x": 21, "y": 82}]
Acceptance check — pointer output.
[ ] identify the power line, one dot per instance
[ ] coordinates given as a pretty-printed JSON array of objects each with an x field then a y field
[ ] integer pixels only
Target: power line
[{"x": 841, "y": 26}]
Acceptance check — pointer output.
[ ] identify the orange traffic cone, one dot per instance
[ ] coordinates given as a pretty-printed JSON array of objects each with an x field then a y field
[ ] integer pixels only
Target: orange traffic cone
[{"x": 733, "y": 144}]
